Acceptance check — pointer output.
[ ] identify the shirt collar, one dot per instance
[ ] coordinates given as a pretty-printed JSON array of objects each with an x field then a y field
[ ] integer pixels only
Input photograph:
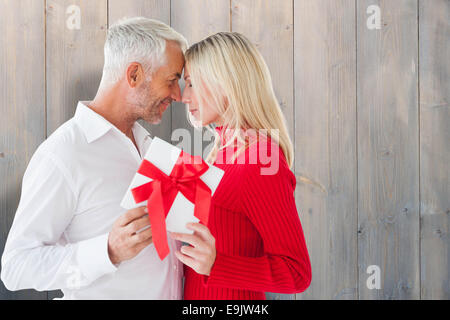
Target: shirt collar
[
  {"x": 95, "y": 126},
  {"x": 91, "y": 123},
  {"x": 141, "y": 136}
]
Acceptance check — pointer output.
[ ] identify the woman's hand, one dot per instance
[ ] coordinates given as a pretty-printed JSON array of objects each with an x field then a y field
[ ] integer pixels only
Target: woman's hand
[{"x": 200, "y": 254}]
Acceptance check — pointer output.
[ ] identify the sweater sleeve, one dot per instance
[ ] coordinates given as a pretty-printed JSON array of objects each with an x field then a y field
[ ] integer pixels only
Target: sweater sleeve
[{"x": 268, "y": 201}]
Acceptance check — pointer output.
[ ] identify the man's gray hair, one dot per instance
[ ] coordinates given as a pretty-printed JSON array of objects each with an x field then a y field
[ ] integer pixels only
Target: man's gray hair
[{"x": 139, "y": 40}]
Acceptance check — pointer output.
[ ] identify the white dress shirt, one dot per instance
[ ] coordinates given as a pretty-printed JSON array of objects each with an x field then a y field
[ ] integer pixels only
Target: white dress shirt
[{"x": 71, "y": 193}]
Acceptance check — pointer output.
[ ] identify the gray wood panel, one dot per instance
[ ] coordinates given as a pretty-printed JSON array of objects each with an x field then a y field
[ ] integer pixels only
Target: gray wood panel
[
  {"x": 273, "y": 37},
  {"x": 367, "y": 111},
  {"x": 269, "y": 37},
  {"x": 74, "y": 60},
  {"x": 196, "y": 19},
  {"x": 154, "y": 9},
  {"x": 325, "y": 139},
  {"x": 388, "y": 150},
  {"x": 74, "y": 57},
  {"x": 434, "y": 73},
  {"x": 22, "y": 102}
]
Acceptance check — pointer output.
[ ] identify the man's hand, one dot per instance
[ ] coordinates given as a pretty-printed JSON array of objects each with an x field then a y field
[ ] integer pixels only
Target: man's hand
[
  {"x": 201, "y": 253},
  {"x": 123, "y": 241}
]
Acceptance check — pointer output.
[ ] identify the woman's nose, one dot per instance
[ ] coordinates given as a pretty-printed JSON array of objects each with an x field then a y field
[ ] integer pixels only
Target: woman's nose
[{"x": 186, "y": 97}]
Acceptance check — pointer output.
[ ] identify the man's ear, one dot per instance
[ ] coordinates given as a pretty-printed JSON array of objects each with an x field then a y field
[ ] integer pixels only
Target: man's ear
[{"x": 135, "y": 74}]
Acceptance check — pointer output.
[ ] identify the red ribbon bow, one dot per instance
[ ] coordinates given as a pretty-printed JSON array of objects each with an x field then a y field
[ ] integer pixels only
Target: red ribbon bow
[{"x": 184, "y": 178}]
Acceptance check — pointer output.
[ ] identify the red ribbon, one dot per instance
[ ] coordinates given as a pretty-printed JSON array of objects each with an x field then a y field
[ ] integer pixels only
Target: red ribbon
[{"x": 184, "y": 178}]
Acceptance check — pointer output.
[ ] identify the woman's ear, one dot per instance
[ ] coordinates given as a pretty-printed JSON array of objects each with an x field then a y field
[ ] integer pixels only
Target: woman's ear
[{"x": 134, "y": 74}]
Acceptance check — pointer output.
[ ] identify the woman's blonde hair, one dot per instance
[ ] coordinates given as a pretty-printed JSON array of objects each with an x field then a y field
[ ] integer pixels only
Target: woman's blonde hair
[{"x": 229, "y": 68}]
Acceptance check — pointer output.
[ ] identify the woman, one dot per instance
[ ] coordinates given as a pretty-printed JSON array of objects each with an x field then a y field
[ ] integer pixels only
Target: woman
[{"x": 255, "y": 241}]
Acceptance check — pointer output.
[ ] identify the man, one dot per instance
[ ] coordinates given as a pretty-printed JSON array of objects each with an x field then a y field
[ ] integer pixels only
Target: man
[{"x": 70, "y": 232}]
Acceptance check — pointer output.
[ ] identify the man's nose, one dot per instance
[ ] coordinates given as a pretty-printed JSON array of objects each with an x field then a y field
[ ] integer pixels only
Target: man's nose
[{"x": 176, "y": 93}]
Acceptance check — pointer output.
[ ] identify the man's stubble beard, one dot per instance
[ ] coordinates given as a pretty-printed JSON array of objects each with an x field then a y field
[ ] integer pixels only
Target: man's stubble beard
[{"x": 147, "y": 104}]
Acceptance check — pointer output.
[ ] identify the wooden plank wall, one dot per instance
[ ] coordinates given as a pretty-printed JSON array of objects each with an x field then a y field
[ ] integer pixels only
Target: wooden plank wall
[
  {"x": 367, "y": 109},
  {"x": 434, "y": 114},
  {"x": 325, "y": 143},
  {"x": 22, "y": 100},
  {"x": 388, "y": 145}
]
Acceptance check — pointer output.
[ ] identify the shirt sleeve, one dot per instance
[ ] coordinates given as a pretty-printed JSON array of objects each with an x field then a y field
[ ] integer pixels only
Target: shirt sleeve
[
  {"x": 269, "y": 203},
  {"x": 33, "y": 257}
]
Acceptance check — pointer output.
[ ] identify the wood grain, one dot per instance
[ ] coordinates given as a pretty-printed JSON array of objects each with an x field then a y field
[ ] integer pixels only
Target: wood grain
[
  {"x": 22, "y": 102},
  {"x": 74, "y": 57},
  {"x": 325, "y": 143},
  {"x": 388, "y": 150},
  {"x": 434, "y": 72},
  {"x": 273, "y": 37},
  {"x": 367, "y": 110}
]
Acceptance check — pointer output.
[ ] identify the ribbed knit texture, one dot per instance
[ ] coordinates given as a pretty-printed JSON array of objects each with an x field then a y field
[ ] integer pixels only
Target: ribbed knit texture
[{"x": 259, "y": 238}]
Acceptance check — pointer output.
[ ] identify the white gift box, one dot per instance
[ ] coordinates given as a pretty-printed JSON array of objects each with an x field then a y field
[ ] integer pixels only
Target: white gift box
[{"x": 164, "y": 156}]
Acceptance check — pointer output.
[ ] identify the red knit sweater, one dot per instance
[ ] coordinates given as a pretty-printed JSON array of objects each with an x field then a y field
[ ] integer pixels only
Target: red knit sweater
[{"x": 259, "y": 239}]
